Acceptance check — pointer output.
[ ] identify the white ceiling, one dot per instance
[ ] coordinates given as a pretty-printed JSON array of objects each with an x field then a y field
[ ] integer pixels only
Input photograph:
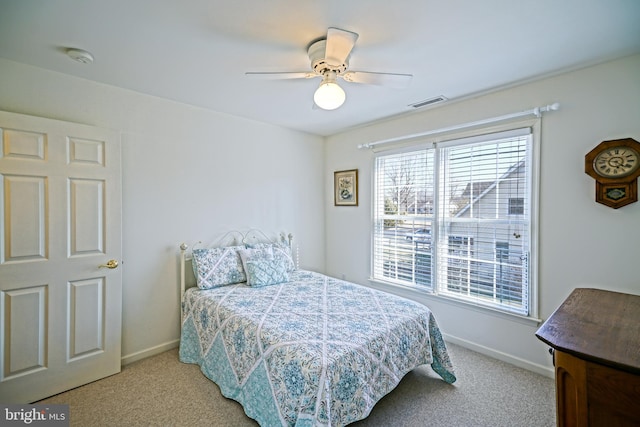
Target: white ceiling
[{"x": 197, "y": 51}]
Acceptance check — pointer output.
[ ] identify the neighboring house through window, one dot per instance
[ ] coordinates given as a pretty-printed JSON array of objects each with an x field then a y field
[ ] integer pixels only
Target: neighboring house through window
[
  {"x": 516, "y": 206},
  {"x": 454, "y": 219}
]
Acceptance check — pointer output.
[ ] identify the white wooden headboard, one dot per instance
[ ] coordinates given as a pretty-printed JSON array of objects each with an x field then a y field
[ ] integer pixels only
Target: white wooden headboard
[{"x": 232, "y": 238}]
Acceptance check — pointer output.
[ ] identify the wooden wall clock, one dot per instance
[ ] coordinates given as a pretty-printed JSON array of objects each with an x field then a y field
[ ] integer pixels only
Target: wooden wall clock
[{"x": 615, "y": 165}]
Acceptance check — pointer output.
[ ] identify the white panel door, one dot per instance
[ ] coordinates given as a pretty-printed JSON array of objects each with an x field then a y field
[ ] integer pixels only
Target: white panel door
[{"x": 60, "y": 250}]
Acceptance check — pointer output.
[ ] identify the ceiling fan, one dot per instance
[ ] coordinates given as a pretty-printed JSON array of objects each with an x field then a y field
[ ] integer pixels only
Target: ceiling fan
[{"x": 330, "y": 60}]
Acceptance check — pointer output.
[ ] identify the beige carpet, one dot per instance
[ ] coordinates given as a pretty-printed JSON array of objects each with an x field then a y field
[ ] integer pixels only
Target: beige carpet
[{"x": 161, "y": 391}]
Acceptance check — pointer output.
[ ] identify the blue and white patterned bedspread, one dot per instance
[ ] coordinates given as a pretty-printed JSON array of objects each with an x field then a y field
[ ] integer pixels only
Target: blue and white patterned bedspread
[{"x": 315, "y": 351}]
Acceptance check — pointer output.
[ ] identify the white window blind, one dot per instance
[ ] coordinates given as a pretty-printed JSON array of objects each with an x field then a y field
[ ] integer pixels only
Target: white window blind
[
  {"x": 456, "y": 220},
  {"x": 404, "y": 208}
]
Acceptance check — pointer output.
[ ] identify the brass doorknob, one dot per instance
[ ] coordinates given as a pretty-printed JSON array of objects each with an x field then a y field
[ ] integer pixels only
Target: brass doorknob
[{"x": 112, "y": 263}]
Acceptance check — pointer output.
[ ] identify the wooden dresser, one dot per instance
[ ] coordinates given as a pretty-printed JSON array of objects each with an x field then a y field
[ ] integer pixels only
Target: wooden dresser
[{"x": 595, "y": 336}]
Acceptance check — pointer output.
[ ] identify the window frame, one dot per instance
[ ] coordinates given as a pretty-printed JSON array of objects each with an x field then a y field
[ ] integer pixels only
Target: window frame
[{"x": 446, "y": 138}]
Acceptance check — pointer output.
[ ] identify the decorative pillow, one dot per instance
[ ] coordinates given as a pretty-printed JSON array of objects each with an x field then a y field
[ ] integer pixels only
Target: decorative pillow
[
  {"x": 254, "y": 253},
  {"x": 265, "y": 272},
  {"x": 218, "y": 267},
  {"x": 281, "y": 254}
]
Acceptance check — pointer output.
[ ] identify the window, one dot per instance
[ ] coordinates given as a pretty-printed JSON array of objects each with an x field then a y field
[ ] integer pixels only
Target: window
[{"x": 455, "y": 219}]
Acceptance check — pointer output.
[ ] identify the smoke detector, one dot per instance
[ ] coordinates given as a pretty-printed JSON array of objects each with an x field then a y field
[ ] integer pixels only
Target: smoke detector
[{"x": 80, "y": 55}]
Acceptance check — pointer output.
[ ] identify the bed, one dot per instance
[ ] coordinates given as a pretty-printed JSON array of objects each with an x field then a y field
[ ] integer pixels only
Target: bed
[{"x": 304, "y": 349}]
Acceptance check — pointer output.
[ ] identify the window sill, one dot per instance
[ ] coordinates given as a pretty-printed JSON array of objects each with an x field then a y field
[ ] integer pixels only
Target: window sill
[{"x": 416, "y": 294}]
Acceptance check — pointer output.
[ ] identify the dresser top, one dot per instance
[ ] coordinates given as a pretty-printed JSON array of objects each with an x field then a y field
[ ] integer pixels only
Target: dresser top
[{"x": 599, "y": 326}]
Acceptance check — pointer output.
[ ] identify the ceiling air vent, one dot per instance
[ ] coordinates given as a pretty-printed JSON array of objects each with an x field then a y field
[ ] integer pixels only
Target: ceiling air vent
[{"x": 427, "y": 102}]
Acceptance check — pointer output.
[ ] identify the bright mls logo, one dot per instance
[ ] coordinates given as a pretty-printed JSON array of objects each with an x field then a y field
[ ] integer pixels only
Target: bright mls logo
[{"x": 35, "y": 415}]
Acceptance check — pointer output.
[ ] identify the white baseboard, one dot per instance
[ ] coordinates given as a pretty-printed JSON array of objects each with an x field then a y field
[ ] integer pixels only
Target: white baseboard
[
  {"x": 143, "y": 354},
  {"x": 521, "y": 363}
]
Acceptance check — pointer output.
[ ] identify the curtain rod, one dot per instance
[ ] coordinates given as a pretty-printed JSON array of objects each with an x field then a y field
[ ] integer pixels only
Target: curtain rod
[{"x": 535, "y": 111}]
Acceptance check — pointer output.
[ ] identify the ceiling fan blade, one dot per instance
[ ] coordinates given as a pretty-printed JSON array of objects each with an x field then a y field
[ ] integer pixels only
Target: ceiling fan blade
[
  {"x": 339, "y": 46},
  {"x": 397, "y": 81},
  {"x": 281, "y": 75}
]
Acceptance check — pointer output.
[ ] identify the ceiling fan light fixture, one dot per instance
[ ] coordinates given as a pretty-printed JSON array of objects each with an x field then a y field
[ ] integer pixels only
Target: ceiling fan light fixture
[{"x": 329, "y": 95}]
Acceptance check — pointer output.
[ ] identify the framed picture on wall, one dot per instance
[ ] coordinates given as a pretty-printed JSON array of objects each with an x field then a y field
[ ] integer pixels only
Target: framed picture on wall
[{"x": 345, "y": 187}]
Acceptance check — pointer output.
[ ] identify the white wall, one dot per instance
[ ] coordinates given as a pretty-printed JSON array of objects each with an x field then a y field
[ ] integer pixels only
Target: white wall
[
  {"x": 191, "y": 174},
  {"x": 581, "y": 243},
  {"x": 188, "y": 175}
]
